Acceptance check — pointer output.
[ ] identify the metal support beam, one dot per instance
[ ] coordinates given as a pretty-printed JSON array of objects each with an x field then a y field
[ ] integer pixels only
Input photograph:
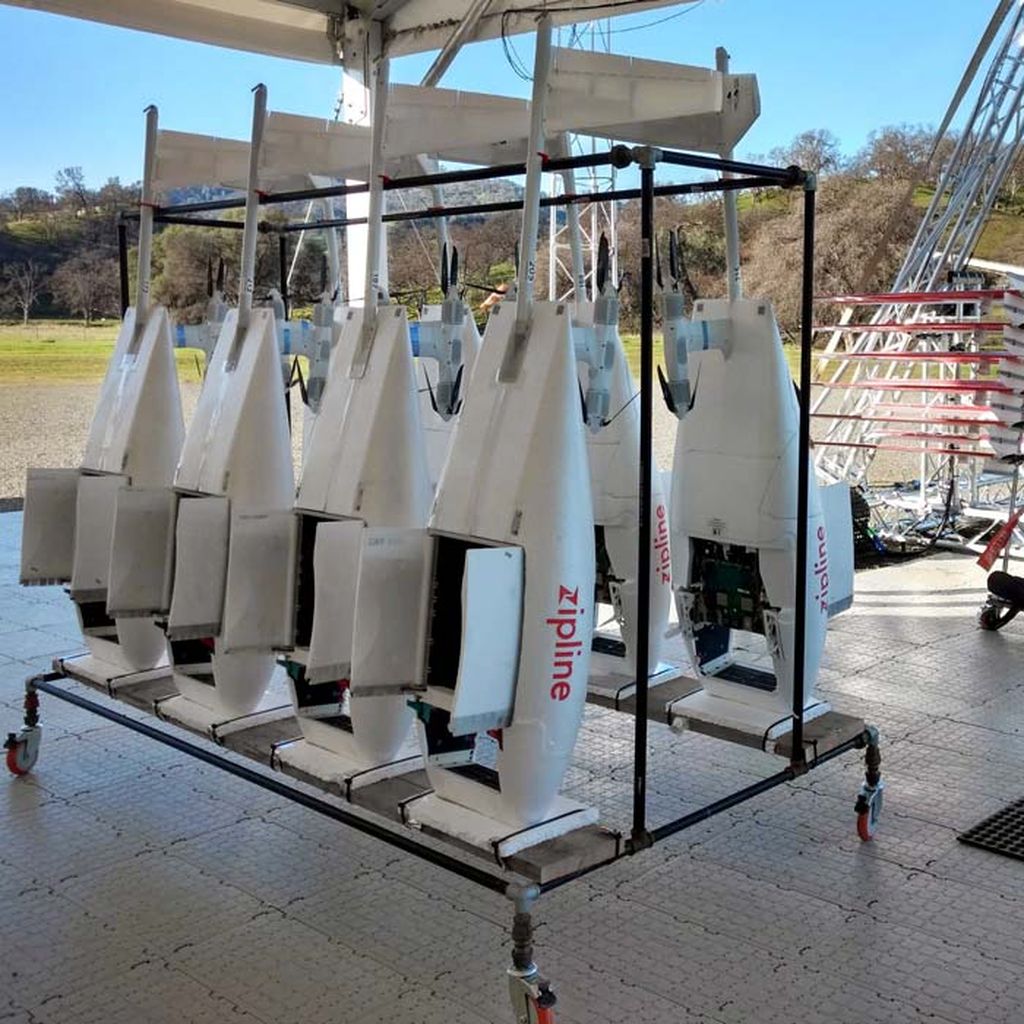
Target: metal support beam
[
  {"x": 803, "y": 477},
  {"x": 527, "y": 270},
  {"x": 146, "y": 223},
  {"x": 647, "y": 158}
]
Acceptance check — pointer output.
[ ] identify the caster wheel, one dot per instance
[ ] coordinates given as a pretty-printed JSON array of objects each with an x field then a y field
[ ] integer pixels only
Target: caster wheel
[
  {"x": 865, "y": 827},
  {"x": 544, "y": 1005},
  {"x": 869, "y": 810},
  {"x": 993, "y": 616},
  {"x": 23, "y": 750}
]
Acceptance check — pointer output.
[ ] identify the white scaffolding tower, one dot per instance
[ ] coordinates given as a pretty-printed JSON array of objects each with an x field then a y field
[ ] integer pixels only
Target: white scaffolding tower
[
  {"x": 908, "y": 321},
  {"x": 599, "y": 218}
]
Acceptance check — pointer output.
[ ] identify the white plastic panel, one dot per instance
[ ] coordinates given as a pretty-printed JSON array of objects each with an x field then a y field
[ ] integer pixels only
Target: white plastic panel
[
  {"x": 335, "y": 568},
  {"x": 185, "y": 158},
  {"x": 389, "y": 610},
  {"x": 94, "y": 532},
  {"x": 631, "y": 99},
  {"x": 48, "y": 527},
  {"x": 492, "y": 623},
  {"x": 836, "y": 575},
  {"x": 306, "y": 30},
  {"x": 142, "y": 552},
  {"x": 261, "y": 26},
  {"x": 200, "y": 567},
  {"x": 259, "y": 601},
  {"x": 476, "y": 128}
]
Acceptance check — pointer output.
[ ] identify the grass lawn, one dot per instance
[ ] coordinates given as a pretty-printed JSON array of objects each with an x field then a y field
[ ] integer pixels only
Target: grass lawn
[
  {"x": 631, "y": 343},
  {"x": 65, "y": 352}
]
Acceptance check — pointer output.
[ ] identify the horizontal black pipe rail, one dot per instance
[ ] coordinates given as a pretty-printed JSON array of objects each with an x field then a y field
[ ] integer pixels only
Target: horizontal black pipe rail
[
  {"x": 408, "y": 844},
  {"x": 501, "y": 884},
  {"x": 788, "y": 774},
  {"x": 479, "y": 209},
  {"x": 790, "y": 177},
  {"x": 211, "y": 222},
  {"x": 619, "y": 156}
]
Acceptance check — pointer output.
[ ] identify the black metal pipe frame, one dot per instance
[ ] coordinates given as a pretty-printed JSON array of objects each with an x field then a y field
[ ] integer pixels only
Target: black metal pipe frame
[
  {"x": 282, "y": 259},
  {"x": 798, "y": 757},
  {"x": 474, "y": 209},
  {"x": 619, "y": 156},
  {"x": 788, "y": 774},
  {"x": 639, "y": 837},
  {"x": 122, "y": 265},
  {"x": 368, "y": 826},
  {"x": 505, "y": 884}
]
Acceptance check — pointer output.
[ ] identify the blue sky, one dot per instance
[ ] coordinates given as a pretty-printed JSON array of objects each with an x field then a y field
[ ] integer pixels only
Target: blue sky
[{"x": 74, "y": 91}]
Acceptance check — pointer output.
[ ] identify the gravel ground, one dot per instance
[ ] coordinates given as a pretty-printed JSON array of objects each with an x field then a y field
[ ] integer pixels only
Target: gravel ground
[{"x": 47, "y": 426}]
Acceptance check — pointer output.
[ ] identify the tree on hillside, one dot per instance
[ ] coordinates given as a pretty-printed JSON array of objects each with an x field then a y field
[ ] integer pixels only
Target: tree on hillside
[
  {"x": 859, "y": 224},
  {"x": 71, "y": 188},
  {"x": 25, "y": 200},
  {"x": 87, "y": 285},
  {"x": 816, "y": 150},
  {"x": 21, "y": 284},
  {"x": 897, "y": 152}
]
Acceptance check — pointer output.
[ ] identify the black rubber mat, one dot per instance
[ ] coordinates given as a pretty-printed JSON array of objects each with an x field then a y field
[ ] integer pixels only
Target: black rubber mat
[{"x": 1003, "y": 832}]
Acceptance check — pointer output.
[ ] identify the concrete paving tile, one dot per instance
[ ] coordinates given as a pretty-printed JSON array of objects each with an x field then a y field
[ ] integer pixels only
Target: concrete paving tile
[
  {"x": 148, "y": 992},
  {"x": 276, "y": 967},
  {"x": 162, "y": 901},
  {"x": 162, "y": 890},
  {"x": 53, "y": 947},
  {"x": 60, "y": 840},
  {"x": 21, "y": 644}
]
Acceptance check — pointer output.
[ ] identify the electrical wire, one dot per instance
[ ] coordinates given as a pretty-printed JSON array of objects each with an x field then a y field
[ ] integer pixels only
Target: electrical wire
[
  {"x": 516, "y": 62},
  {"x": 622, "y": 409},
  {"x": 660, "y": 21},
  {"x": 419, "y": 238}
]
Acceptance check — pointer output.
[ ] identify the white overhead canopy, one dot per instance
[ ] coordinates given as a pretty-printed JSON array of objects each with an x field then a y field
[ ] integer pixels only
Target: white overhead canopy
[
  {"x": 309, "y": 30},
  {"x": 617, "y": 98}
]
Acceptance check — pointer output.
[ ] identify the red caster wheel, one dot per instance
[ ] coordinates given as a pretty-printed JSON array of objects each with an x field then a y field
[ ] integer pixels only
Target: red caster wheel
[
  {"x": 869, "y": 810},
  {"x": 865, "y": 827},
  {"x": 23, "y": 750}
]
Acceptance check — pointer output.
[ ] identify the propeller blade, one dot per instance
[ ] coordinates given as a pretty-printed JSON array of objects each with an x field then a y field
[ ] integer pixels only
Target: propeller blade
[
  {"x": 220, "y": 274},
  {"x": 603, "y": 262},
  {"x": 209, "y": 278},
  {"x": 657, "y": 265},
  {"x": 456, "y": 388},
  {"x": 301, "y": 381},
  {"x": 430, "y": 391},
  {"x": 323, "y": 274},
  {"x": 444, "y": 269},
  {"x": 583, "y": 401},
  {"x": 666, "y": 392},
  {"x": 454, "y": 275},
  {"x": 673, "y": 256}
]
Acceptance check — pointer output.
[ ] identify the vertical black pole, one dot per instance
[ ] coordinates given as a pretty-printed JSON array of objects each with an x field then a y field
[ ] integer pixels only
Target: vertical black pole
[
  {"x": 643, "y": 555},
  {"x": 282, "y": 257},
  {"x": 122, "y": 263},
  {"x": 803, "y": 475}
]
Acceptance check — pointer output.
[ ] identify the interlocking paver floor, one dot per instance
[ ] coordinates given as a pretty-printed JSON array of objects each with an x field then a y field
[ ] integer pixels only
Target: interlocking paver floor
[{"x": 139, "y": 886}]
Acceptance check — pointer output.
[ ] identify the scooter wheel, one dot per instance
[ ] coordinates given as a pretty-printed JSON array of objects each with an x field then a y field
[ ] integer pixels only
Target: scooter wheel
[{"x": 989, "y": 618}]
